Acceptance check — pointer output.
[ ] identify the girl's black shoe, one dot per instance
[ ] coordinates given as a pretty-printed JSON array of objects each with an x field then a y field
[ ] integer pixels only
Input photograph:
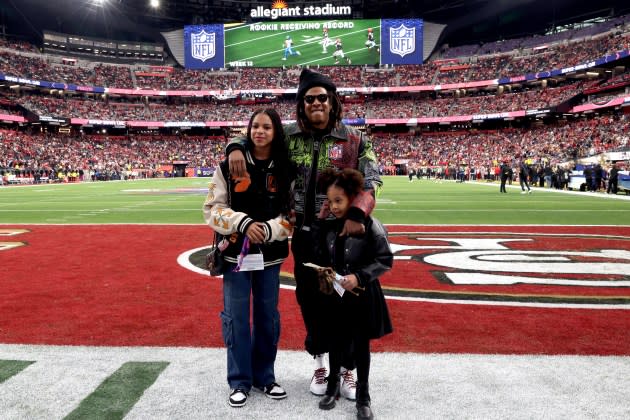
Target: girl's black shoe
[
  {"x": 364, "y": 412},
  {"x": 329, "y": 400}
]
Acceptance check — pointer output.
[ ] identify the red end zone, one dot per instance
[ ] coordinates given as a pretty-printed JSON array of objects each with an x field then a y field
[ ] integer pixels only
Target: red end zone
[{"x": 469, "y": 289}]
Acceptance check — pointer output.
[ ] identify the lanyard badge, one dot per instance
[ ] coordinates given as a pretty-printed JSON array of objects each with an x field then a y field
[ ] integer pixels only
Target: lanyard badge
[{"x": 247, "y": 261}]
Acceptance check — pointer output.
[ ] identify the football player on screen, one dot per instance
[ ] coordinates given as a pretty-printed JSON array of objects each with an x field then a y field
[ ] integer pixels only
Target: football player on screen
[
  {"x": 371, "y": 43},
  {"x": 339, "y": 52},
  {"x": 288, "y": 48},
  {"x": 326, "y": 41}
]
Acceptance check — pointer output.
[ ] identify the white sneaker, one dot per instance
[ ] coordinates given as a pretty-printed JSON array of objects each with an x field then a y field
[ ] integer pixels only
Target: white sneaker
[
  {"x": 298, "y": 53},
  {"x": 523, "y": 192},
  {"x": 348, "y": 388},
  {"x": 319, "y": 381},
  {"x": 529, "y": 191}
]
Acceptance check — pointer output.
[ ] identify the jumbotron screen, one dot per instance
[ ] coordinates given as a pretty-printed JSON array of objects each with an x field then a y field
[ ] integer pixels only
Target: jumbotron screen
[{"x": 317, "y": 42}]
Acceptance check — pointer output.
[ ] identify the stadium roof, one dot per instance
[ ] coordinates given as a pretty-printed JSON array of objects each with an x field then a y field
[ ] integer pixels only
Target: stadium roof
[{"x": 469, "y": 21}]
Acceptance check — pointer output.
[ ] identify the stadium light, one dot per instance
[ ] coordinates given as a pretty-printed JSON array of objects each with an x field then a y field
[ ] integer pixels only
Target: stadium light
[{"x": 154, "y": 3}]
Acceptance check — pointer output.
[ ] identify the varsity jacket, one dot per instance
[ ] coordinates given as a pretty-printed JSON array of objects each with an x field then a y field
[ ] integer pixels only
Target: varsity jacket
[{"x": 232, "y": 206}]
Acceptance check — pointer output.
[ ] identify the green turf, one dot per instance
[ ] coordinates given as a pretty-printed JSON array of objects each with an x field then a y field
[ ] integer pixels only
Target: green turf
[
  {"x": 9, "y": 368},
  {"x": 180, "y": 200},
  {"x": 265, "y": 48},
  {"x": 117, "y": 394}
]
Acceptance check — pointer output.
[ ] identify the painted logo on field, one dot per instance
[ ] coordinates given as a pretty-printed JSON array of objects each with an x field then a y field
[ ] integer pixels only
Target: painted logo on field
[{"x": 502, "y": 268}]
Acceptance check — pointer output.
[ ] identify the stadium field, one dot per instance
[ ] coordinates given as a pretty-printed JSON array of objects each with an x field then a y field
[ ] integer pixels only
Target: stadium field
[
  {"x": 501, "y": 303},
  {"x": 266, "y": 48},
  {"x": 179, "y": 200}
]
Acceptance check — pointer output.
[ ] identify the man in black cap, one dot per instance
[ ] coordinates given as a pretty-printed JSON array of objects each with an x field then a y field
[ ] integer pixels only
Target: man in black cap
[{"x": 316, "y": 141}]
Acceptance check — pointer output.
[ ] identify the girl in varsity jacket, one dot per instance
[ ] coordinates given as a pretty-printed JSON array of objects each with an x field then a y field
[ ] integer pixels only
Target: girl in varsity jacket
[{"x": 252, "y": 213}]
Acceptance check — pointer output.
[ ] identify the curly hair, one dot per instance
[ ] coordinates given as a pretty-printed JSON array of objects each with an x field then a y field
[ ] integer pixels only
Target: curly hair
[{"x": 348, "y": 179}]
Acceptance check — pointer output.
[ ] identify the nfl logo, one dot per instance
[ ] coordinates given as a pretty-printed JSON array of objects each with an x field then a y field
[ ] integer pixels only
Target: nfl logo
[
  {"x": 335, "y": 152},
  {"x": 402, "y": 40},
  {"x": 202, "y": 45}
]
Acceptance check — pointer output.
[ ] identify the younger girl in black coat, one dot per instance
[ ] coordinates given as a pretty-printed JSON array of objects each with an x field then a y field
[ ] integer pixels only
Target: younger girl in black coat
[{"x": 361, "y": 313}]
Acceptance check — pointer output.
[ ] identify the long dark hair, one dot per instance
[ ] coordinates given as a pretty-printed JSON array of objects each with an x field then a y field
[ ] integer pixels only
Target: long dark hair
[
  {"x": 336, "y": 112},
  {"x": 279, "y": 154}
]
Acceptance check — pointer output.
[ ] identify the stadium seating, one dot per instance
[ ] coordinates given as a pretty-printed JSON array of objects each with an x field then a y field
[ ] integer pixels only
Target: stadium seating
[{"x": 23, "y": 154}]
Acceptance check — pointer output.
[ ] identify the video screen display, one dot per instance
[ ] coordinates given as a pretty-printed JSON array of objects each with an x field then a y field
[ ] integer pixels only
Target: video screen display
[
  {"x": 321, "y": 42},
  {"x": 351, "y": 42}
]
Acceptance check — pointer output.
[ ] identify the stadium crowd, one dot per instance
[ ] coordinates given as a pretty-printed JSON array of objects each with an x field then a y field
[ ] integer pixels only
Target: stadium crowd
[
  {"x": 213, "y": 109},
  {"x": 557, "y": 144},
  {"x": 481, "y": 152},
  {"x": 24, "y": 153},
  {"x": 27, "y": 157},
  {"x": 26, "y": 63}
]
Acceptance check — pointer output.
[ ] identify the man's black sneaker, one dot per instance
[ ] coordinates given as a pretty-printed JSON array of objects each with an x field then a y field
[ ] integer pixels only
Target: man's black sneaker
[{"x": 274, "y": 391}]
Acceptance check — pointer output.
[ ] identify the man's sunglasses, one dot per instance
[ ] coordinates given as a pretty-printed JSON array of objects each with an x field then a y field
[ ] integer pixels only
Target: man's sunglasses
[{"x": 322, "y": 98}]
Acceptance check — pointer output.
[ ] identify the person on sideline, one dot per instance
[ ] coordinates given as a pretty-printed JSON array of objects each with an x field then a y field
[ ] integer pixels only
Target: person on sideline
[
  {"x": 319, "y": 140},
  {"x": 523, "y": 175},
  {"x": 504, "y": 172},
  {"x": 613, "y": 179},
  {"x": 252, "y": 212},
  {"x": 360, "y": 313}
]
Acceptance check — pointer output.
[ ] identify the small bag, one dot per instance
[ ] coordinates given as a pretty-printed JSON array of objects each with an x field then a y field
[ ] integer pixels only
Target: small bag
[{"x": 215, "y": 263}]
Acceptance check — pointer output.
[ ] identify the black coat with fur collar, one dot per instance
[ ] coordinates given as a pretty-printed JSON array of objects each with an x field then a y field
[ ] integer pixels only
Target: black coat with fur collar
[{"x": 368, "y": 257}]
